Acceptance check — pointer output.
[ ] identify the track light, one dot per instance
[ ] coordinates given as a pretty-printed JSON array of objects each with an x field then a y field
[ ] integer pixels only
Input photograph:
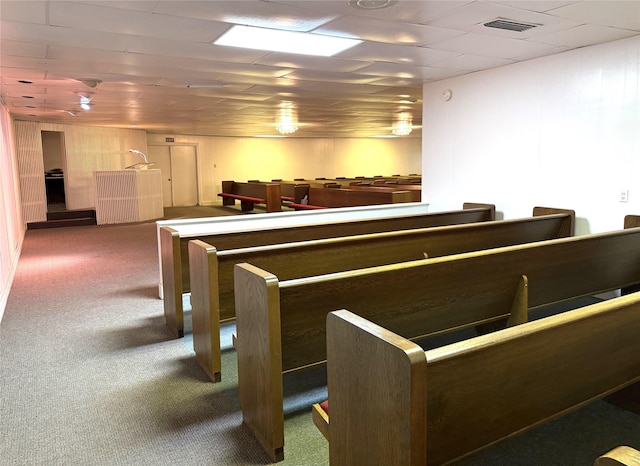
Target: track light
[{"x": 85, "y": 102}]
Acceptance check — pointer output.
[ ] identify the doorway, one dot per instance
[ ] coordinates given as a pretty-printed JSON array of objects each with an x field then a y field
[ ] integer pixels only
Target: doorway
[
  {"x": 178, "y": 166},
  {"x": 54, "y": 160}
]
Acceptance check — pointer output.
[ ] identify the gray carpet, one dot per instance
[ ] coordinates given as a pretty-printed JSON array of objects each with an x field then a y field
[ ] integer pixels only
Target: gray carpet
[{"x": 91, "y": 376}]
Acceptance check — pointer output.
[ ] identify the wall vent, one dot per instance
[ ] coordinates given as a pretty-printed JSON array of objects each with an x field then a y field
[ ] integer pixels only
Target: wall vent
[{"x": 509, "y": 25}]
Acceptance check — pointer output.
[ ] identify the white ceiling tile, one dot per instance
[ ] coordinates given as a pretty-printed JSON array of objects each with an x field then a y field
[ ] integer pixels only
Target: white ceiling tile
[
  {"x": 386, "y": 32},
  {"x": 472, "y": 63},
  {"x": 90, "y": 18},
  {"x": 202, "y": 51},
  {"x": 23, "y": 49},
  {"x": 408, "y": 11},
  {"x": 259, "y": 14},
  {"x": 62, "y": 36},
  {"x": 541, "y": 6},
  {"x": 623, "y": 14},
  {"x": 24, "y": 12},
  {"x": 333, "y": 88},
  {"x": 392, "y": 53},
  {"x": 328, "y": 76},
  {"x": 392, "y": 70},
  {"x": 582, "y": 36},
  {"x": 490, "y": 46},
  {"x": 288, "y": 60}
]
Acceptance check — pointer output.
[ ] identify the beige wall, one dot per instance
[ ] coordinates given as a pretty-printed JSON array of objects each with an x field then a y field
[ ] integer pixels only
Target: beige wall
[
  {"x": 95, "y": 148},
  {"x": 242, "y": 159}
]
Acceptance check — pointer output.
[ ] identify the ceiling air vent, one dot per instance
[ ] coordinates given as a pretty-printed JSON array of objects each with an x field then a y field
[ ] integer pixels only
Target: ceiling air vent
[{"x": 509, "y": 25}]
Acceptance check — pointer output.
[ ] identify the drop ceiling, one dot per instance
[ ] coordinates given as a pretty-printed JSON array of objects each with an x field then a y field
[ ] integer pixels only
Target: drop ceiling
[{"x": 152, "y": 64}]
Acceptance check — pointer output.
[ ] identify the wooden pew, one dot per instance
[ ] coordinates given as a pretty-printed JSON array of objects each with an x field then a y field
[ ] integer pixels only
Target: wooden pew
[
  {"x": 415, "y": 190},
  {"x": 403, "y": 179},
  {"x": 345, "y": 197},
  {"x": 298, "y": 192},
  {"x": 250, "y": 194},
  {"x": 294, "y": 191},
  {"x": 619, "y": 456},
  {"x": 289, "y": 190},
  {"x": 287, "y": 227},
  {"x": 219, "y": 225},
  {"x": 281, "y": 324},
  {"x": 211, "y": 271},
  {"x": 390, "y": 402}
]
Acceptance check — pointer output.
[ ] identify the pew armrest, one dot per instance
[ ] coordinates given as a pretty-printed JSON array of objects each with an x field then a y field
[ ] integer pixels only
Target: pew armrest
[{"x": 619, "y": 456}]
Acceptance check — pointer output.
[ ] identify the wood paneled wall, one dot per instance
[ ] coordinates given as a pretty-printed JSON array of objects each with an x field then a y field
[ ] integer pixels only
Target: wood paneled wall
[
  {"x": 11, "y": 227},
  {"x": 87, "y": 149}
]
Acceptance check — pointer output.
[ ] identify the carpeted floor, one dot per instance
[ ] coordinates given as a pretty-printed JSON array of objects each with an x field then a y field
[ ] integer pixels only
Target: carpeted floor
[{"x": 91, "y": 376}]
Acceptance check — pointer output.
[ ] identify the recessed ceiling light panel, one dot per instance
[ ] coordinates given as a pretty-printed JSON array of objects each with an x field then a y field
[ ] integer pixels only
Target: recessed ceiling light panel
[{"x": 275, "y": 40}]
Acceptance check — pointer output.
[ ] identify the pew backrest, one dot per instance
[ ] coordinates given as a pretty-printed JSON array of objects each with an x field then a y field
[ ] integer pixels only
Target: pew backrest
[
  {"x": 416, "y": 299},
  {"x": 415, "y": 190},
  {"x": 345, "y": 197},
  {"x": 211, "y": 271},
  {"x": 317, "y": 257}
]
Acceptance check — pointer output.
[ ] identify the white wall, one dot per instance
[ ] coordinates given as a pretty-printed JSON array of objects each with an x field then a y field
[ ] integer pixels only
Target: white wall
[
  {"x": 560, "y": 131},
  {"x": 12, "y": 228},
  {"x": 242, "y": 159}
]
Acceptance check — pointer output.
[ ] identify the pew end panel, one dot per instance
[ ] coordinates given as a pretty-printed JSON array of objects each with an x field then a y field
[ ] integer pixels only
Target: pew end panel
[
  {"x": 205, "y": 308},
  {"x": 258, "y": 347},
  {"x": 619, "y": 456},
  {"x": 172, "y": 280},
  {"x": 377, "y": 391},
  {"x": 227, "y": 187},
  {"x": 568, "y": 226},
  {"x": 631, "y": 221},
  {"x": 479, "y": 205},
  {"x": 274, "y": 197}
]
